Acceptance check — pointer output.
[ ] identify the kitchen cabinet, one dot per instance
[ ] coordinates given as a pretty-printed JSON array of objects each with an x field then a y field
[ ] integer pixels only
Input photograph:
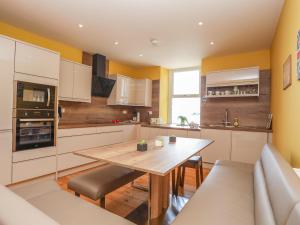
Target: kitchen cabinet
[
  {"x": 75, "y": 83},
  {"x": 33, "y": 168},
  {"x": 7, "y": 54},
  {"x": 177, "y": 133},
  {"x": 5, "y": 157},
  {"x": 194, "y": 134},
  {"x": 37, "y": 61},
  {"x": 221, "y": 147},
  {"x": 66, "y": 79},
  {"x": 129, "y": 91},
  {"x": 143, "y": 92},
  {"x": 154, "y": 132},
  {"x": 247, "y": 146},
  {"x": 75, "y": 139}
]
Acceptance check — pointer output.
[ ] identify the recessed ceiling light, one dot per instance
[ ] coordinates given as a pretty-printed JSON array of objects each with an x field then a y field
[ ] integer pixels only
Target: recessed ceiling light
[
  {"x": 80, "y": 25},
  {"x": 116, "y": 43},
  {"x": 212, "y": 43},
  {"x": 200, "y": 23},
  {"x": 141, "y": 55}
]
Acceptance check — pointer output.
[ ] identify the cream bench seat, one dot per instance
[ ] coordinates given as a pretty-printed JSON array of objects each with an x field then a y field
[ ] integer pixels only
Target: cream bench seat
[
  {"x": 45, "y": 203},
  {"x": 267, "y": 193}
]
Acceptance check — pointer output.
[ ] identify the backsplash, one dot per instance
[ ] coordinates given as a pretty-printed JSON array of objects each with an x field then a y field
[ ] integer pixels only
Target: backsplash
[
  {"x": 98, "y": 112},
  {"x": 251, "y": 111}
]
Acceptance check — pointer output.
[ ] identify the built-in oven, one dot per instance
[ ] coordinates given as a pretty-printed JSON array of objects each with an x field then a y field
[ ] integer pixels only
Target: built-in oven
[
  {"x": 34, "y": 96},
  {"x": 33, "y": 129}
]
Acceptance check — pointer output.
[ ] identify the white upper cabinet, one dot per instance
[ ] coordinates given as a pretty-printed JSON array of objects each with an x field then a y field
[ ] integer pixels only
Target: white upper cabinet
[
  {"x": 7, "y": 52},
  {"x": 82, "y": 82},
  {"x": 33, "y": 60},
  {"x": 75, "y": 83},
  {"x": 129, "y": 91},
  {"x": 143, "y": 92},
  {"x": 66, "y": 79},
  {"x": 247, "y": 146}
]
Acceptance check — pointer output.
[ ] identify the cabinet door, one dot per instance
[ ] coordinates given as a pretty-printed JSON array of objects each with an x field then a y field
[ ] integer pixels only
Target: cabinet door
[
  {"x": 7, "y": 54},
  {"x": 6, "y": 157},
  {"x": 220, "y": 149},
  {"x": 144, "y": 133},
  {"x": 122, "y": 90},
  {"x": 177, "y": 133},
  {"x": 194, "y": 134},
  {"x": 154, "y": 132},
  {"x": 36, "y": 61},
  {"x": 247, "y": 146},
  {"x": 131, "y": 88},
  {"x": 148, "y": 93},
  {"x": 82, "y": 82},
  {"x": 66, "y": 79}
]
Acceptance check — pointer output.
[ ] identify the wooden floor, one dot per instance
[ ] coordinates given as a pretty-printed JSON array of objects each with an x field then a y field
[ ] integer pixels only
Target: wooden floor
[{"x": 125, "y": 200}]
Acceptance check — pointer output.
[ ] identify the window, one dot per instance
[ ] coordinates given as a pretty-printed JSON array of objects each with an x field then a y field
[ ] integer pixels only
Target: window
[{"x": 185, "y": 95}]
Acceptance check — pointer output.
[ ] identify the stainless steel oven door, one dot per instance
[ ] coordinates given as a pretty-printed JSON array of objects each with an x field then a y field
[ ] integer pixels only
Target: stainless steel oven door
[
  {"x": 33, "y": 133},
  {"x": 34, "y": 96}
]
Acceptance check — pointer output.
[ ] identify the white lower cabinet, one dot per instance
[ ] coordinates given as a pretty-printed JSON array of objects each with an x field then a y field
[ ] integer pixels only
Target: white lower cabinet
[
  {"x": 177, "y": 133},
  {"x": 154, "y": 132},
  {"x": 70, "y": 160},
  {"x": 221, "y": 147},
  {"x": 33, "y": 168},
  {"x": 247, "y": 146},
  {"x": 194, "y": 134},
  {"x": 144, "y": 133},
  {"x": 5, "y": 157}
]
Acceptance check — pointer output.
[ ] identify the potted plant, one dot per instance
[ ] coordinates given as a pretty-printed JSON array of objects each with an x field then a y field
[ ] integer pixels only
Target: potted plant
[
  {"x": 183, "y": 120},
  {"x": 142, "y": 146}
]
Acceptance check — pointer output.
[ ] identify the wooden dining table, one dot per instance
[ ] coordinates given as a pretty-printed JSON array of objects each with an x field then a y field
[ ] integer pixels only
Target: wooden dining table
[{"x": 158, "y": 162}]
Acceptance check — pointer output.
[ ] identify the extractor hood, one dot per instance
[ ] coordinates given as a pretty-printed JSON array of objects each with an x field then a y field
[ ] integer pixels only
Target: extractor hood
[{"x": 101, "y": 85}]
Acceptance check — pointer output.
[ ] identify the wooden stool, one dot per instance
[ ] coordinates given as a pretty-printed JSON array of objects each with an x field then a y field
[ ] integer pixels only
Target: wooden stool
[{"x": 193, "y": 162}]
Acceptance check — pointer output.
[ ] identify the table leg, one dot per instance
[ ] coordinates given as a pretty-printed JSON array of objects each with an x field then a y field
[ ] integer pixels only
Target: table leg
[{"x": 159, "y": 194}]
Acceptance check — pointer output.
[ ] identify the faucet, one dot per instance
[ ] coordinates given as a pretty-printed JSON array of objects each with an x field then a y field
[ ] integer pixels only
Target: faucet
[{"x": 226, "y": 122}]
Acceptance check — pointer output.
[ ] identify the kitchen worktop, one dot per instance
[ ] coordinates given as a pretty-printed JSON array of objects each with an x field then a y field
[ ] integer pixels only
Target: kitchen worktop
[
  {"x": 84, "y": 125},
  {"x": 174, "y": 126}
]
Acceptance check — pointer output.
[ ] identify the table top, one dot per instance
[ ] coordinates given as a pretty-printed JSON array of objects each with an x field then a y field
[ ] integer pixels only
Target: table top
[{"x": 156, "y": 160}]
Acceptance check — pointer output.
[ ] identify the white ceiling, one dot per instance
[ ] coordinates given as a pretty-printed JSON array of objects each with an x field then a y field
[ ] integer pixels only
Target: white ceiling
[{"x": 234, "y": 26}]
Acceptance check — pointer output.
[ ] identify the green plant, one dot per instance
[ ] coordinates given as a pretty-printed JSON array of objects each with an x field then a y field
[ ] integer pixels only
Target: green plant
[
  {"x": 183, "y": 120},
  {"x": 142, "y": 142}
]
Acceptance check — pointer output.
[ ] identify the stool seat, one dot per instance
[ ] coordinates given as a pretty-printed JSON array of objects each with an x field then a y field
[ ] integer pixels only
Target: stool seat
[{"x": 194, "y": 160}]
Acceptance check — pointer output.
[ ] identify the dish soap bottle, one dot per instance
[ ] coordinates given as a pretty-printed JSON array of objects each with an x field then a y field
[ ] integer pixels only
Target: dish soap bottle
[{"x": 236, "y": 122}]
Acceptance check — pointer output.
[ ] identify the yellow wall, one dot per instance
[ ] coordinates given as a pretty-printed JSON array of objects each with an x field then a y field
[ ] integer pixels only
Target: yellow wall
[
  {"x": 66, "y": 51},
  {"x": 236, "y": 61},
  {"x": 164, "y": 94},
  {"x": 150, "y": 72},
  {"x": 286, "y": 104}
]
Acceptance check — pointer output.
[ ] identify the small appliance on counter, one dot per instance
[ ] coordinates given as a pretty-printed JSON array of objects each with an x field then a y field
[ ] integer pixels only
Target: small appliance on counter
[
  {"x": 156, "y": 121},
  {"x": 34, "y": 116}
]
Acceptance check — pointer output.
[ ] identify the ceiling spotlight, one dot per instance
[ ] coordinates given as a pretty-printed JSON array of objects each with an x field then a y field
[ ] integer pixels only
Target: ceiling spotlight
[
  {"x": 200, "y": 23},
  {"x": 212, "y": 43},
  {"x": 141, "y": 55},
  {"x": 80, "y": 25},
  {"x": 154, "y": 41},
  {"x": 116, "y": 43}
]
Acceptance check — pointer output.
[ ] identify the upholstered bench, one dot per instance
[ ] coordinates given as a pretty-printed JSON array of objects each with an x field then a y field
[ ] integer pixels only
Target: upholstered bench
[{"x": 99, "y": 182}]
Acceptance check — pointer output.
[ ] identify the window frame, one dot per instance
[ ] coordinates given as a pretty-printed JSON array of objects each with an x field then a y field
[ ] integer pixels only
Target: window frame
[{"x": 171, "y": 95}]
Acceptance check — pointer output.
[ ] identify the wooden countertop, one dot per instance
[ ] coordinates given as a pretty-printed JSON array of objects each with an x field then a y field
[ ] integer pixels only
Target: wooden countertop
[
  {"x": 83, "y": 125},
  {"x": 174, "y": 126}
]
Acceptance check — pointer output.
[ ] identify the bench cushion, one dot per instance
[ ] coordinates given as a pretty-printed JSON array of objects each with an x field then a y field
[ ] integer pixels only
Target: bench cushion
[
  {"x": 97, "y": 183},
  {"x": 67, "y": 209},
  {"x": 225, "y": 198},
  {"x": 16, "y": 211}
]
